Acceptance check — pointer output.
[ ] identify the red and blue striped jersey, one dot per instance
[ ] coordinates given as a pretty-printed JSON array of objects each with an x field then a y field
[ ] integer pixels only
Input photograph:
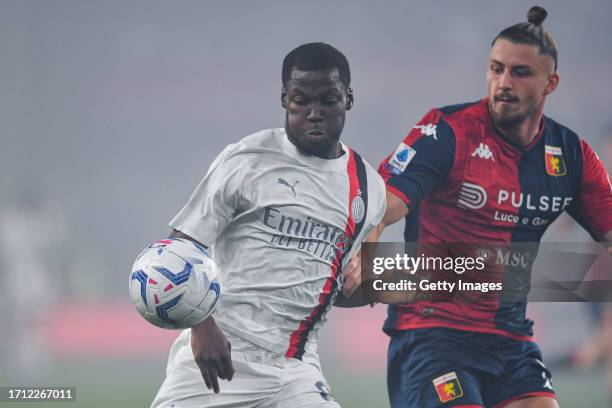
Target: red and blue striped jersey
[{"x": 464, "y": 182}]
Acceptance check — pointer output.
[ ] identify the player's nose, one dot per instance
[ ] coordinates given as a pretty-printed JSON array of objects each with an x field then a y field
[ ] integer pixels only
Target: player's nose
[
  {"x": 314, "y": 113},
  {"x": 505, "y": 80}
]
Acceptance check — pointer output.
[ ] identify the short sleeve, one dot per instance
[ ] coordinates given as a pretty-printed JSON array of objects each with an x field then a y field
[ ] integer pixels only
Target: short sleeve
[
  {"x": 421, "y": 161},
  {"x": 215, "y": 201},
  {"x": 592, "y": 207}
]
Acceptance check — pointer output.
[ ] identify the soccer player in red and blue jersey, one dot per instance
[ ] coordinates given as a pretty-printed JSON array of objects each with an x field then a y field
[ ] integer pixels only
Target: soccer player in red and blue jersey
[{"x": 495, "y": 170}]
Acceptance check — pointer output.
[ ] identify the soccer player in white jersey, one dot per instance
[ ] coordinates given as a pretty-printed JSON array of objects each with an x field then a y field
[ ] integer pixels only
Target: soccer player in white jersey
[{"x": 283, "y": 211}]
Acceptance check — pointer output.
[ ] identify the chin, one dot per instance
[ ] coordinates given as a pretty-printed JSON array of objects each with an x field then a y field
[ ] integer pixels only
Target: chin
[
  {"x": 319, "y": 148},
  {"x": 314, "y": 149},
  {"x": 505, "y": 118}
]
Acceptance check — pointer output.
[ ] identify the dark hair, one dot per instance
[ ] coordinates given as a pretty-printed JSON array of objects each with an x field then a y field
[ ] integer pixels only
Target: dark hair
[
  {"x": 317, "y": 56},
  {"x": 531, "y": 33}
]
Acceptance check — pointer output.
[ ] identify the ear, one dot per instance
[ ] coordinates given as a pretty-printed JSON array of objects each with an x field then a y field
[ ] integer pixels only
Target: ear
[
  {"x": 284, "y": 98},
  {"x": 553, "y": 82},
  {"x": 350, "y": 99}
]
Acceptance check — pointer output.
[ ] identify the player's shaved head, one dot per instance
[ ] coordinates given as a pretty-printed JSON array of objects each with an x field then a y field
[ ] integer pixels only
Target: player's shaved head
[
  {"x": 531, "y": 33},
  {"x": 316, "y": 56}
]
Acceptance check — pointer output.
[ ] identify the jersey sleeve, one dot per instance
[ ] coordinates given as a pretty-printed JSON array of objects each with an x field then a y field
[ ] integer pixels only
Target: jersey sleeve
[
  {"x": 215, "y": 201},
  {"x": 592, "y": 207},
  {"x": 421, "y": 161}
]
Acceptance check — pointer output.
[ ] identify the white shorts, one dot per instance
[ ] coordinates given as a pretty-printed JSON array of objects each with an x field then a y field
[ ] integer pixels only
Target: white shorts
[{"x": 261, "y": 379}]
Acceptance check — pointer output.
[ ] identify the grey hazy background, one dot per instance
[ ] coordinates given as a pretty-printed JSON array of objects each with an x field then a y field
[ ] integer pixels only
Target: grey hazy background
[{"x": 111, "y": 111}]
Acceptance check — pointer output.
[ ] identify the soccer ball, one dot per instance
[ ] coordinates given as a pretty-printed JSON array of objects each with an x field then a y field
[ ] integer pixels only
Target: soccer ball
[{"x": 174, "y": 284}]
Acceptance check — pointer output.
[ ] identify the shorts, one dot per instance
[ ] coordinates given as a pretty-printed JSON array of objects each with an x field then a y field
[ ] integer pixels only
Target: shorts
[
  {"x": 439, "y": 367},
  {"x": 261, "y": 379}
]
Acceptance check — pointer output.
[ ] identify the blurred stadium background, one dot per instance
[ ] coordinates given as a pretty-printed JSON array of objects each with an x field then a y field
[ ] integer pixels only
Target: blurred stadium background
[{"x": 111, "y": 111}]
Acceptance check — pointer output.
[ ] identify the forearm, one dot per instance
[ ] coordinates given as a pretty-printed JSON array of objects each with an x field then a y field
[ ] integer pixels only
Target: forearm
[
  {"x": 357, "y": 290},
  {"x": 207, "y": 325},
  {"x": 355, "y": 300}
]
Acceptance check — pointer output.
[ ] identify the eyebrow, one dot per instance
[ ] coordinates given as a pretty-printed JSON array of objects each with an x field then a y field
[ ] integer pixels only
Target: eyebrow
[{"x": 513, "y": 66}]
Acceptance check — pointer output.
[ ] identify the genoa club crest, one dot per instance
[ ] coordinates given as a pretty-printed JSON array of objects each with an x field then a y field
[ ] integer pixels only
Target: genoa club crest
[
  {"x": 553, "y": 156},
  {"x": 448, "y": 387}
]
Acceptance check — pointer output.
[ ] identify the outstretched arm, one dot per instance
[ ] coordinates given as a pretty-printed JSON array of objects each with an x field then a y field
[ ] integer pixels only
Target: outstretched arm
[{"x": 352, "y": 295}]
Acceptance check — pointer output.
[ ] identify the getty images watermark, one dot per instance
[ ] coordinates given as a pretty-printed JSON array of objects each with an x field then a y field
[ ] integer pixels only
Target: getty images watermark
[
  {"x": 508, "y": 272},
  {"x": 411, "y": 264}
]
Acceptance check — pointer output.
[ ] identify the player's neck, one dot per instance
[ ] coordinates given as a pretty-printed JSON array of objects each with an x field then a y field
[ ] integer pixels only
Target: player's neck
[{"x": 525, "y": 132}]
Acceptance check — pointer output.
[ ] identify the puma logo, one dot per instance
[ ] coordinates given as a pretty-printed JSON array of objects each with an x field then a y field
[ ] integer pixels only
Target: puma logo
[{"x": 285, "y": 183}]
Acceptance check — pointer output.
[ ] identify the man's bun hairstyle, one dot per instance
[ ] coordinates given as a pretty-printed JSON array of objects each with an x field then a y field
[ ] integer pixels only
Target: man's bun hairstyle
[
  {"x": 536, "y": 15},
  {"x": 531, "y": 33}
]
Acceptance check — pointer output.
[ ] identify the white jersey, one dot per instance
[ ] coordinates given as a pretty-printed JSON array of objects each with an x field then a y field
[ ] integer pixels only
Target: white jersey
[{"x": 281, "y": 225}]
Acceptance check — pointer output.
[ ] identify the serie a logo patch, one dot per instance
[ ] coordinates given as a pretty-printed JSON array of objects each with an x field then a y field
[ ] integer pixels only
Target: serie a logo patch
[
  {"x": 553, "y": 156},
  {"x": 400, "y": 158},
  {"x": 447, "y": 386}
]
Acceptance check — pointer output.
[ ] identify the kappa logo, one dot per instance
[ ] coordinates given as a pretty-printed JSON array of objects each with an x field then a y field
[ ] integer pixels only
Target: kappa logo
[
  {"x": 285, "y": 183},
  {"x": 428, "y": 130},
  {"x": 472, "y": 196},
  {"x": 483, "y": 152},
  {"x": 545, "y": 376}
]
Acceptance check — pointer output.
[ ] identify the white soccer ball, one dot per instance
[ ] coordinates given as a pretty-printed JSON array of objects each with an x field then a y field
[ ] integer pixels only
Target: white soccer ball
[{"x": 174, "y": 284}]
